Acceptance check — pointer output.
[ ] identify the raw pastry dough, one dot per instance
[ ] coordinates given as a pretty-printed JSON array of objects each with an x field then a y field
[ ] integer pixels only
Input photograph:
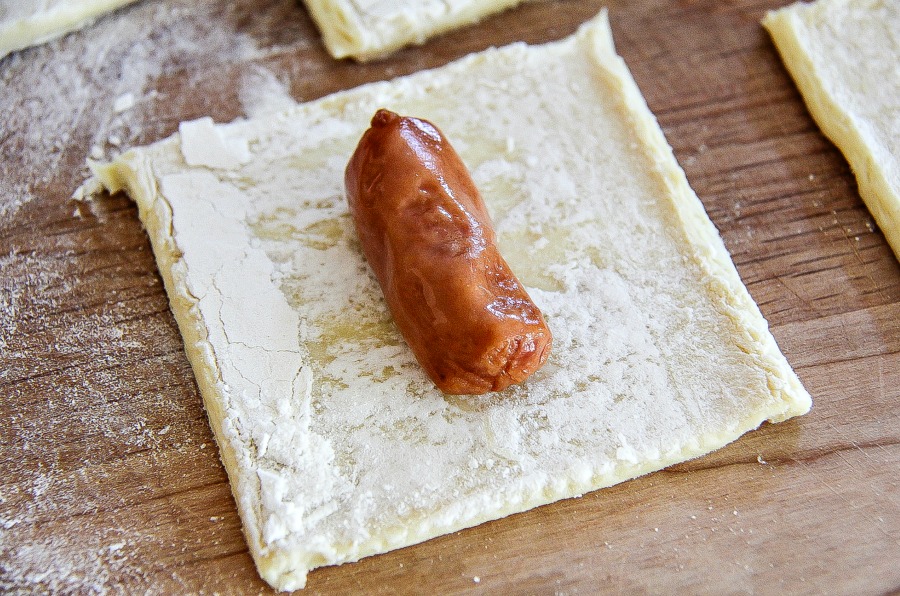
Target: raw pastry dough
[
  {"x": 844, "y": 56},
  {"x": 25, "y": 23},
  {"x": 366, "y": 29},
  {"x": 336, "y": 443}
]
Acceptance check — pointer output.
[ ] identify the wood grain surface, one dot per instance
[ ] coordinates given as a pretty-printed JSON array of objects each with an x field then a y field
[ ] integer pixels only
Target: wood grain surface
[{"x": 109, "y": 476}]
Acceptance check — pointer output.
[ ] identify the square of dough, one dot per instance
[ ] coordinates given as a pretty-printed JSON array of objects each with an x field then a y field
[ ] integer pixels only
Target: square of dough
[
  {"x": 844, "y": 56},
  {"x": 336, "y": 443},
  {"x": 25, "y": 23},
  {"x": 367, "y": 29}
]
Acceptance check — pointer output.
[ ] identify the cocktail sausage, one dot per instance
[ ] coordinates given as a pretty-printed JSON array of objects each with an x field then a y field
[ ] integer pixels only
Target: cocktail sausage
[{"x": 428, "y": 237}]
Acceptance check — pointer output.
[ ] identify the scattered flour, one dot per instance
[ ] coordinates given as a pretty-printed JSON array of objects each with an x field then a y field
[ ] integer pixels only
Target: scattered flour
[
  {"x": 65, "y": 430},
  {"x": 104, "y": 77},
  {"x": 261, "y": 92},
  {"x": 96, "y": 92}
]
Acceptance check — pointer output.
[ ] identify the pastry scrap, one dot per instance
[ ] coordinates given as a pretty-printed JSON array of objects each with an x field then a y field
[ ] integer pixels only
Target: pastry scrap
[
  {"x": 844, "y": 56},
  {"x": 25, "y": 23},
  {"x": 367, "y": 29},
  {"x": 337, "y": 444},
  {"x": 428, "y": 237}
]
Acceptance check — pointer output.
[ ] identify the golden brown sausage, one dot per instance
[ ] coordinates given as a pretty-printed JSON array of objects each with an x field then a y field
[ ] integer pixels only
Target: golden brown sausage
[{"x": 428, "y": 237}]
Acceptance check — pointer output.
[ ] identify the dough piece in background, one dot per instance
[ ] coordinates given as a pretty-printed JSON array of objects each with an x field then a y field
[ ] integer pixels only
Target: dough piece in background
[
  {"x": 25, "y": 23},
  {"x": 368, "y": 29},
  {"x": 336, "y": 443},
  {"x": 844, "y": 56}
]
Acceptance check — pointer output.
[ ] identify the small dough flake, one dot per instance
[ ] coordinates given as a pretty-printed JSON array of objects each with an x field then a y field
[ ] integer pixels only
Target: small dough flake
[
  {"x": 336, "y": 443},
  {"x": 202, "y": 144}
]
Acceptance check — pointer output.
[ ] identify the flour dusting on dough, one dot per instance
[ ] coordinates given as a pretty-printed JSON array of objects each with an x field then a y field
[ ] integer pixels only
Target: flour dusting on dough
[{"x": 337, "y": 444}]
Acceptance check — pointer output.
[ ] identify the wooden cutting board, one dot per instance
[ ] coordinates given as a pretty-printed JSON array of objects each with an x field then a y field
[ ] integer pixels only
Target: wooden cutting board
[{"x": 109, "y": 476}]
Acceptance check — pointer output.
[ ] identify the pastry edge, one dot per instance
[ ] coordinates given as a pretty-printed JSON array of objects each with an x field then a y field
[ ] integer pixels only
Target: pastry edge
[
  {"x": 841, "y": 129},
  {"x": 708, "y": 247},
  {"x": 287, "y": 570},
  {"x": 43, "y": 27},
  {"x": 351, "y": 39}
]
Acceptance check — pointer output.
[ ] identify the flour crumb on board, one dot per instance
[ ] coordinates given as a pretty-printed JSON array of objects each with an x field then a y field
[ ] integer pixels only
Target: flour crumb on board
[{"x": 123, "y": 103}]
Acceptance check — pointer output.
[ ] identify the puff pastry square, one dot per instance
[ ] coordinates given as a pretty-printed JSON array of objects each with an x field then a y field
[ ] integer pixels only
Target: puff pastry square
[
  {"x": 844, "y": 56},
  {"x": 367, "y": 29},
  {"x": 336, "y": 443},
  {"x": 25, "y": 23}
]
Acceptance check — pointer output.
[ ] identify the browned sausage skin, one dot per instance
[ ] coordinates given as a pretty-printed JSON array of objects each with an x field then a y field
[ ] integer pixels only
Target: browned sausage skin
[{"x": 427, "y": 236}]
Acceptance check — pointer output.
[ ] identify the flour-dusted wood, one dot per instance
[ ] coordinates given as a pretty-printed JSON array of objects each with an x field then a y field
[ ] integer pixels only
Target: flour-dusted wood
[{"x": 110, "y": 480}]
